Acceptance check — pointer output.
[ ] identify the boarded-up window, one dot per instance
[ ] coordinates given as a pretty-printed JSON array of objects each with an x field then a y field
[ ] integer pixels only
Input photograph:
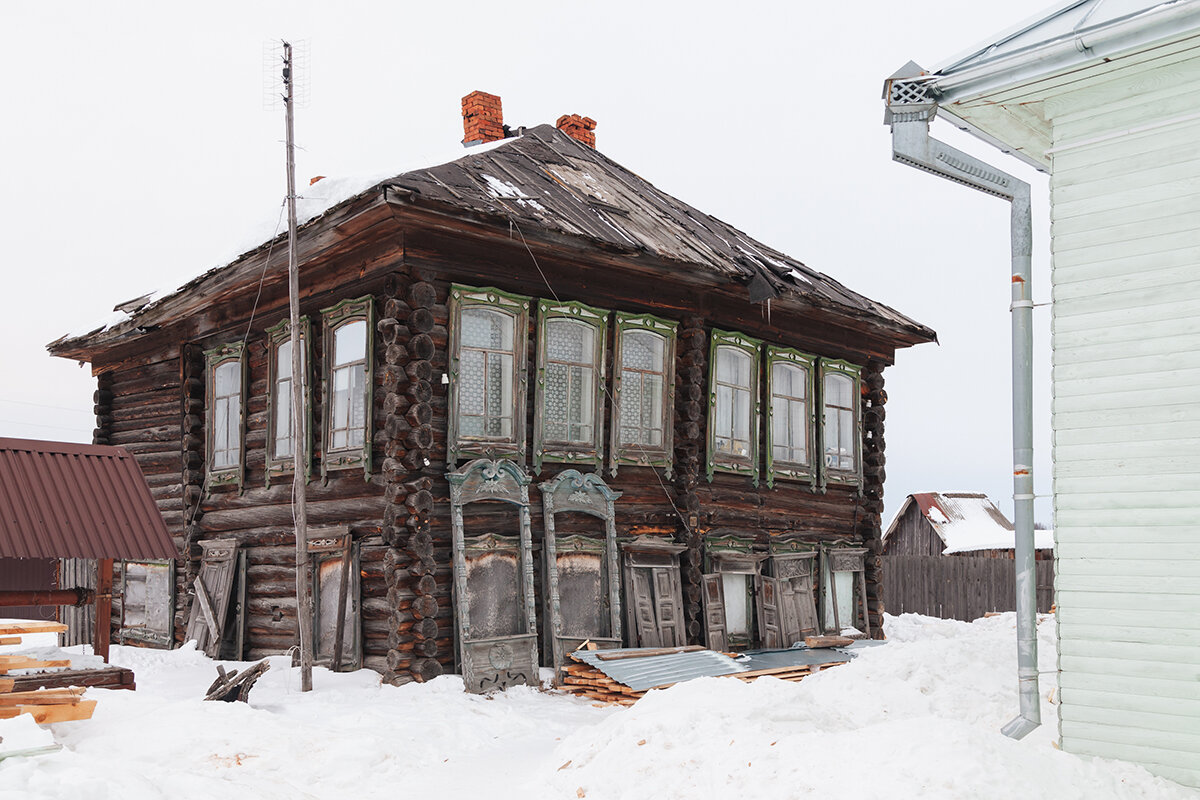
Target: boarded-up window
[
  {"x": 582, "y": 594},
  {"x": 493, "y": 582},
  {"x": 147, "y": 591},
  {"x": 654, "y": 595},
  {"x": 844, "y": 591},
  {"x": 335, "y": 565}
]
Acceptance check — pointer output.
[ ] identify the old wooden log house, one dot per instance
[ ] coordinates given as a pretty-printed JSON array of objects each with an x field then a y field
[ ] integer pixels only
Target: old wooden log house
[{"x": 548, "y": 403}]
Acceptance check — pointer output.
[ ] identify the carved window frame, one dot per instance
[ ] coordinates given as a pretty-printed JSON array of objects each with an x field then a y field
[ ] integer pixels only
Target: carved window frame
[
  {"x": 637, "y": 454},
  {"x": 277, "y": 335},
  {"x": 232, "y": 474},
  {"x": 567, "y": 452},
  {"x": 360, "y": 309},
  {"x": 850, "y": 477},
  {"x": 516, "y": 306},
  {"x": 718, "y": 462},
  {"x": 782, "y": 468}
]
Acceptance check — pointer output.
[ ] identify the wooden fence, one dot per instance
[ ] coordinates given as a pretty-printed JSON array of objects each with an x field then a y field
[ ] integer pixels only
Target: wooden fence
[{"x": 957, "y": 587}]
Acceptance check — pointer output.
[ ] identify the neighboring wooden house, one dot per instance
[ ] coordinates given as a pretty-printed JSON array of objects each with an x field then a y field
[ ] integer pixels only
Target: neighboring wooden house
[
  {"x": 530, "y": 321},
  {"x": 1103, "y": 96},
  {"x": 948, "y": 554}
]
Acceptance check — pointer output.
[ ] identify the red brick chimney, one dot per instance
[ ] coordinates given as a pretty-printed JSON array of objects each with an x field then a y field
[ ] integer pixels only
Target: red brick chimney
[
  {"x": 578, "y": 128},
  {"x": 483, "y": 120}
]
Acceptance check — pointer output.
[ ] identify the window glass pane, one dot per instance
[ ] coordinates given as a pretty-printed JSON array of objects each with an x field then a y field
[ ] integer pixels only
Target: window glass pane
[
  {"x": 789, "y": 427},
  {"x": 350, "y": 343},
  {"x": 643, "y": 388},
  {"x": 568, "y": 340},
  {"x": 470, "y": 383},
  {"x": 840, "y": 430},
  {"x": 733, "y": 406},
  {"x": 283, "y": 436},
  {"x": 643, "y": 350},
  {"x": 487, "y": 328},
  {"x": 227, "y": 414},
  {"x": 838, "y": 390}
]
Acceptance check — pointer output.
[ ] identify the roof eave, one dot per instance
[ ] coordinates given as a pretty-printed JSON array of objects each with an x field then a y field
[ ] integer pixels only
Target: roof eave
[{"x": 956, "y": 84}]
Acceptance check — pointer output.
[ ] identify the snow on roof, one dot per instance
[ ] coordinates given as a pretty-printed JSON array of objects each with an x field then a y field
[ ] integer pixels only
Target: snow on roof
[
  {"x": 311, "y": 203},
  {"x": 967, "y": 521}
]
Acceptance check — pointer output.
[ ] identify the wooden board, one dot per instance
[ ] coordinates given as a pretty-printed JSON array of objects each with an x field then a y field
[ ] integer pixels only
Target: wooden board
[
  {"x": 41, "y": 697},
  {"x": 23, "y": 662},
  {"x": 18, "y": 628},
  {"x": 106, "y": 678},
  {"x": 6, "y": 684},
  {"x": 9, "y": 640},
  {"x": 44, "y": 715}
]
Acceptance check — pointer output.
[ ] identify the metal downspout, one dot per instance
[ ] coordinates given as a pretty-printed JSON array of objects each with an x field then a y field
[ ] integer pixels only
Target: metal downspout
[{"x": 910, "y": 109}]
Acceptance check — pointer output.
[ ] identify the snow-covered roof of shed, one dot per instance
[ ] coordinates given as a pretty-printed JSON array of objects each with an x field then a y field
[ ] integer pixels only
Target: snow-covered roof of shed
[
  {"x": 546, "y": 180},
  {"x": 967, "y": 521}
]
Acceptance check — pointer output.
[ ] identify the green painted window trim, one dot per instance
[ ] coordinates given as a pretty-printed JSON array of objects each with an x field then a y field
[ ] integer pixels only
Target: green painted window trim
[
  {"x": 276, "y": 335},
  {"x": 566, "y": 452},
  {"x": 332, "y": 318},
  {"x": 639, "y": 455},
  {"x": 714, "y": 461},
  {"x": 827, "y": 475},
  {"x": 787, "y": 469},
  {"x": 518, "y": 306},
  {"x": 233, "y": 475}
]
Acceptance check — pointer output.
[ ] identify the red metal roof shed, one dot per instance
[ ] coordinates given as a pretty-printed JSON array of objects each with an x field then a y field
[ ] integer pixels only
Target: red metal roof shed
[{"x": 64, "y": 500}]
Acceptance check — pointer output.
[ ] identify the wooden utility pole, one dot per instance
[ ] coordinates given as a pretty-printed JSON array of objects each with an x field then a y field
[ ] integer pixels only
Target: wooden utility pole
[{"x": 299, "y": 383}]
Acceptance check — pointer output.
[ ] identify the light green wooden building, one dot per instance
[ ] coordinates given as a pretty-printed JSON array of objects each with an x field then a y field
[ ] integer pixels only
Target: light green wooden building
[{"x": 1105, "y": 96}]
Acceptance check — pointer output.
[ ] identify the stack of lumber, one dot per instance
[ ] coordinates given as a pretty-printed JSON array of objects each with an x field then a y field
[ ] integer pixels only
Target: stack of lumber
[
  {"x": 44, "y": 705},
  {"x": 586, "y": 681}
]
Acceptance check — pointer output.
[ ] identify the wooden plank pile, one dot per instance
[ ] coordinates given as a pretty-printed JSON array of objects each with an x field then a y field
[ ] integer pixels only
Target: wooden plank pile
[
  {"x": 583, "y": 680},
  {"x": 44, "y": 705}
]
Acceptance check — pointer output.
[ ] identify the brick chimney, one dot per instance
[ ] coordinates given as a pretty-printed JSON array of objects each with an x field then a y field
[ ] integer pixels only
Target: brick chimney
[
  {"x": 483, "y": 120},
  {"x": 578, "y": 128}
]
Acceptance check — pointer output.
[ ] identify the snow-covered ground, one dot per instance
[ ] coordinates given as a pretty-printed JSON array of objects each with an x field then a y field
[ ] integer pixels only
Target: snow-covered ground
[{"x": 917, "y": 718}]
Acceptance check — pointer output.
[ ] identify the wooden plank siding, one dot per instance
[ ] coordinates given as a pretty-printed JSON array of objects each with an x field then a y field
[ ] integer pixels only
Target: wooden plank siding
[
  {"x": 1126, "y": 412},
  {"x": 957, "y": 587}
]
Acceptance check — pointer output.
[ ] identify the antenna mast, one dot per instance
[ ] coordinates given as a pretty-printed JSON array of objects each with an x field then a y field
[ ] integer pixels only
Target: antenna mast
[{"x": 299, "y": 385}]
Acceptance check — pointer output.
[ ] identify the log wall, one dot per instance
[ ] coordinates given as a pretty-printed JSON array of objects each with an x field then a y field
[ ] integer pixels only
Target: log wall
[{"x": 399, "y": 514}]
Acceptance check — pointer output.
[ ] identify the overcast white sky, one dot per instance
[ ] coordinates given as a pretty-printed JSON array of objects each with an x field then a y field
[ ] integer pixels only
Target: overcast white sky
[{"x": 138, "y": 152}]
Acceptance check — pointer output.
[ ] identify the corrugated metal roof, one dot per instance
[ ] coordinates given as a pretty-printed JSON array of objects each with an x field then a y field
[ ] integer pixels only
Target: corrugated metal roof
[
  {"x": 1067, "y": 20},
  {"x": 647, "y": 672},
  {"x": 62, "y": 500}
]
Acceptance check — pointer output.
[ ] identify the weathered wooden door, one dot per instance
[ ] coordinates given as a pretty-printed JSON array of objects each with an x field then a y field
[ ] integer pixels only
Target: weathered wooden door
[
  {"x": 792, "y": 566},
  {"x": 213, "y": 587},
  {"x": 337, "y": 621},
  {"x": 495, "y": 617},
  {"x": 770, "y": 629},
  {"x": 714, "y": 613},
  {"x": 582, "y": 580},
  {"x": 654, "y": 593}
]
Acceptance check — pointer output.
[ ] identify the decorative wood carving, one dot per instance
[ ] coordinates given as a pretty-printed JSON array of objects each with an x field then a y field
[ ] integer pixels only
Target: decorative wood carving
[
  {"x": 587, "y": 494},
  {"x": 499, "y": 658}
]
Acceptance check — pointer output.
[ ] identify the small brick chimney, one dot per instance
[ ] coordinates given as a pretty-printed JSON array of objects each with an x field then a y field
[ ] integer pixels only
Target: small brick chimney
[
  {"x": 483, "y": 120},
  {"x": 578, "y": 128}
]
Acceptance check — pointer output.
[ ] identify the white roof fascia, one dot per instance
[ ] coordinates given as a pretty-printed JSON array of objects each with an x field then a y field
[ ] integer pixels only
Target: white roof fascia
[
  {"x": 1168, "y": 20},
  {"x": 948, "y": 114}
]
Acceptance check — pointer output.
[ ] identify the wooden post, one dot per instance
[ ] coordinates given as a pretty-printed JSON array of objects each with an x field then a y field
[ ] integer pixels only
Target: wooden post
[{"x": 104, "y": 583}]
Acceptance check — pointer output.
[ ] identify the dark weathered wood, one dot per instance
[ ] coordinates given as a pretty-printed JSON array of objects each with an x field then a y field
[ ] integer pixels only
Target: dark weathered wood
[{"x": 957, "y": 587}]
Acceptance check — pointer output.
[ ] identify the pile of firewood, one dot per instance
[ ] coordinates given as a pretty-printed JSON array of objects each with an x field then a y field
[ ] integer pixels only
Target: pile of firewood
[{"x": 44, "y": 705}]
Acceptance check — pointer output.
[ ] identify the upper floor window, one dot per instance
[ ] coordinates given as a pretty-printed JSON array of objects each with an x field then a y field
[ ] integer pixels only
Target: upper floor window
[
  {"x": 569, "y": 405},
  {"x": 348, "y": 343},
  {"x": 226, "y": 371},
  {"x": 733, "y": 404},
  {"x": 488, "y": 332},
  {"x": 281, "y": 414},
  {"x": 840, "y": 440},
  {"x": 789, "y": 414},
  {"x": 643, "y": 392}
]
